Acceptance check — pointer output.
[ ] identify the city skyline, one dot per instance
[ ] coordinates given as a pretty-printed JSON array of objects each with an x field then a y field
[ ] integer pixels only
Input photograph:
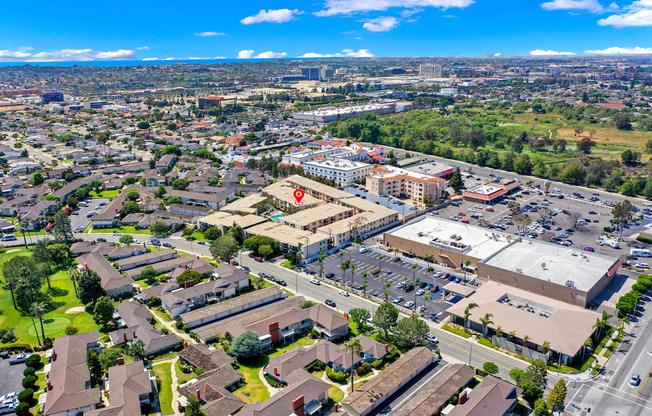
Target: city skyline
[{"x": 145, "y": 31}]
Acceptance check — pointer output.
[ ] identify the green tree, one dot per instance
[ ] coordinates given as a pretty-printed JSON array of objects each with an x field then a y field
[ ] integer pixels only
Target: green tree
[
  {"x": 622, "y": 213},
  {"x": 224, "y": 248},
  {"x": 359, "y": 316},
  {"x": 410, "y": 332},
  {"x": 541, "y": 408},
  {"x": 133, "y": 195},
  {"x": 95, "y": 367},
  {"x": 467, "y": 313},
  {"x": 62, "y": 230},
  {"x": 40, "y": 252},
  {"x": 622, "y": 121},
  {"x": 136, "y": 350},
  {"x": 490, "y": 368},
  {"x": 194, "y": 408},
  {"x": 585, "y": 144},
  {"x": 485, "y": 321},
  {"x": 160, "y": 191},
  {"x": 60, "y": 254},
  {"x": 517, "y": 375},
  {"x": 149, "y": 274},
  {"x": 159, "y": 227},
  {"x": 531, "y": 392},
  {"x": 126, "y": 239},
  {"x": 39, "y": 309},
  {"x": 180, "y": 184},
  {"x": 557, "y": 396},
  {"x": 103, "y": 311},
  {"x": 246, "y": 345},
  {"x": 258, "y": 282},
  {"x": 456, "y": 182},
  {"x": 212, "y": 233},
  {"x": 537, "y": 373},
  {"x": 109, "y": 357},
  {"x": 143, "y": 125},
  {"x": 38, "y": 179},
  {"x": 385, "y": 318},
  {"x": 189, "y": 276},
  {"x": 89, "y": 287}
]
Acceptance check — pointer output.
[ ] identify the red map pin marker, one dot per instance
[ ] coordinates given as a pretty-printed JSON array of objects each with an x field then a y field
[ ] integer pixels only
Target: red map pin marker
[{"x": 298, "y": 195}]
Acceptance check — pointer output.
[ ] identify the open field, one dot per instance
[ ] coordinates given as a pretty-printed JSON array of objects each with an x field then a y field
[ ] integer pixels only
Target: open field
[{"x": 55, "y": 322}]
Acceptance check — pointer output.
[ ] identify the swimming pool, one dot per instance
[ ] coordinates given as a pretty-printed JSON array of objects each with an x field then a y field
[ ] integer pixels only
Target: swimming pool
[{"x": 276, "y": 217}]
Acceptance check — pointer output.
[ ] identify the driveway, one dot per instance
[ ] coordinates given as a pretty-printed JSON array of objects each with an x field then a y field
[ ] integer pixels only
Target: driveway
[
  {"x": 81, "y": 220},
  {"x": 12, "y": 377}
]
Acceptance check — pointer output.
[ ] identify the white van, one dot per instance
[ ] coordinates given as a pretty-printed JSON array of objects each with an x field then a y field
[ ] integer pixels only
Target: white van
[
  {"x": 639, "y": 252},
  {"x": 603, "y": 241},
  {"x": 8, "y": 237}
]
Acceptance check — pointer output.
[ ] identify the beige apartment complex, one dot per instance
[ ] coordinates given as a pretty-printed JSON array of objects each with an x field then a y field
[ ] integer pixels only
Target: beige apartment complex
[{"x": 402, "y": 183}]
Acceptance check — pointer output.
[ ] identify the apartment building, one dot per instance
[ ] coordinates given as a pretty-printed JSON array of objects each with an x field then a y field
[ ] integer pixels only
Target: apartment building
[
  {"x": 343, "y": 172},
  {"x": 402, "y": 183}
]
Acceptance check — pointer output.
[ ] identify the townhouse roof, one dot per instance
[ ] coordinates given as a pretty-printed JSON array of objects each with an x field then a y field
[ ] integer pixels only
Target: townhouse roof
[
  {"x": 69, "y": 374},
  {"x": 230, "y": 304},
  {"x": 137, "y": 317},
  {"x": 110, "y": 277},
  {"x": 218, "y": 400},
  {"x": 205, "y": 357},
  {"x": 492, "y": 397},
  {"x": 163, "y": 265},
  {"x": 127, "y": 382},
  {"x": 151, "y": 256},
  {"x": 197, "y": 196}
]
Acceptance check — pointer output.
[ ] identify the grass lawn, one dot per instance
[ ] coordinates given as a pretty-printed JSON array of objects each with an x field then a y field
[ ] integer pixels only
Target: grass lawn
[
  {"x": 458, "y": 331},
  {"x": 196, "y": 235},
  {"x": 304, "y": 342},
  {"x": 286, "y": 264},
  {"x": 253, "y": 389},
  {"x": 181, "y": 376},
  {"x": 55, "y": 322},
  {"x": 124, "y": 230},
  {"x": 164, "y": 374},
  {"x": 163, "y": 315},
  {"x": 336, "y": 394},
  {"x": 105, "y": 194}
]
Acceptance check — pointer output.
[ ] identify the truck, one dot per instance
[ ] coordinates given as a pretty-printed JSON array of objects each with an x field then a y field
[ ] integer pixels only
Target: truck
[
  {"x": 639, "y": 252},
  {"x": 605, "y": 241}
]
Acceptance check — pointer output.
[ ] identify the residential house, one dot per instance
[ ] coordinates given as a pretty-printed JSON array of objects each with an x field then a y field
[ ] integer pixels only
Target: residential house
[
  {"x": 166, "y": 162},
  {"x": 137, "y": 319},
  {"x": 131, "y": 386},
  {"x": 146, "y": 259},
  {"x": 492, "y": 397},
  {"x": 112, "y": 281},
  {"x": 197, "y": 198}
]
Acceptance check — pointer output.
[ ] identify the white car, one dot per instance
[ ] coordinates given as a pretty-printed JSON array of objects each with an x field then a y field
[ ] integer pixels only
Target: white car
[
  {"x": 315, "y": 282},
  {"x": 117, "y": 233},
  {"x": 409, "y": 304},
  {"x": 432, "y": 338},
  {"x": 9, "y": 396},
  {"x": 363, "y": 250},
  {"x": 344, "y": 293}
]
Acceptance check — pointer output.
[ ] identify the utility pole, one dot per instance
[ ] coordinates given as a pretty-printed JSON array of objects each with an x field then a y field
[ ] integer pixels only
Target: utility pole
[{"x": 470, "y": 353}]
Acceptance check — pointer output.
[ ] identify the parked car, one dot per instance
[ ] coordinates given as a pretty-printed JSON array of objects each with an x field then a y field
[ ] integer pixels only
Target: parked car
[
  {"x": 330, "y": 275},
  {"x": 400, "y": 285},
  {"x": 591, "y": 249},
  {"x": 101, "y": 240},
  {"x": 19, "y": 359},
  {"x": 330, "y": 303},
  {"x": 281, "y": 282},
  {"x": 166, "y": 245},
  {"x": 363, "y": 249},
  {"x": 420, "y": 292},
  {"x": 409, "y": 304},
  {"x": 315, "y": 282},
  {"x": 258, "y": 259},
  {"x": 398, "y": 299},
  {"x": 117, "y": 233}
]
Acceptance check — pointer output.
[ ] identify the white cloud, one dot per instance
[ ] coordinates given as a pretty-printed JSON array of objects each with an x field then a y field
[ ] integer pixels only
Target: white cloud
[
  {"x": 638, "y": 14},
  {"x": 540, "y": 52},
  {"x": 615, "y": 50},
  {"x": 151, "y": 59},
  {"x": 76, "y": 55},
  {"x": 335, "y": 7},
  {"x": 271, "y": 55},
  {"x": 189, "y": 58},
  {"x": 245, "y": 54},
  {"x": 271, "y": 16},
  {"x": 346, "y": 53},
  {"x": 142, "y": 48},
  {"x": 381, "y": 24},
  {"x": 249, "y": 54},
  {"x": 592, "y": 6},
  {"x": 209, "y": 34}
]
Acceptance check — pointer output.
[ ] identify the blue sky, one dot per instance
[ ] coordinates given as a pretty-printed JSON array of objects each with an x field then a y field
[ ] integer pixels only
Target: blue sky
[{"x": 146, "y": 30}]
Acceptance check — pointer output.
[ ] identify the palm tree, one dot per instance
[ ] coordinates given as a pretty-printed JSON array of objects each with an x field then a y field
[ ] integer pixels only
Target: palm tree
[
  {"x": 621, "y": 328},
  {"x": 416, "y": 284},
  {"x": 237, "y": 232},
  {"x": 21, "y": 229},
  {"x": 388, "y": 284},
  {"x": 598, "y": 325},
  {"x": 258, "y": 282},
  {"x": 467, "y": 313},
  {"x": 365, "y": 277},
  {"x": 526, "y": 338},
  {"x": 344, "y": 266},
  {"x": 352, "y": 272},
  {"x": 545, "y": 346},
  {"x": 395, "y": 252},
  {"x": 499, "y": 332},
  {"x": 148, "y": 199},
  {"x": 39, "y": 309},
  {"x": 512, "y": 334},
  {"x": 605, "y": 319},
  {"x": 321, "y": 258},
  {"x": 38, "y": 339},
  {"x": 73, "y": 277},
  {"x": 355, "y": 348},
  {"x": 466, "y": 264},
  {"x": 426, "y": 298},
  {"x": 486, "y": 320},
  {"x": 430, "y": 258},
  {"x": 587, "y": 344}
]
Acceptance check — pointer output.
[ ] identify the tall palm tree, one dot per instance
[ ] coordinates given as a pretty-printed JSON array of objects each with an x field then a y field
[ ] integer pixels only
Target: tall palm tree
[
  {"x": 486, "y": 320},
  {"x": 526, "y": 339},
  {"x": 365, "y": 277},
  {"x": 387, "y": 284},
  {"x": 344, "y": 266},
  {"x": 587, "y": 344},
  {"x": 39, "y": 309},
  {"x": 355, "y": 348},
  {"x": 73, "y": 277},
  {"x": 605, "y": 319},
  {"x": 545, "y": 346},
  {"x": 38, "y": 339},
  {"x": 429, "y": 259},
  {"x": 321, "y": 258},
  {"x": 598, "y": 325},
  {"x": 467, "y": 312},
  {"x": 621, "y": 328},
  {"x": 352, "y": 272},
  {"x": 426, "y": 298},
  {"x": 20, "y": 227},
  {"x": 466, "y": 264},
  {"x": 395, "y": 252},
  {"x": 148, "y": 199},
  {"x": 237, "y": 232},
  {"x": 416, "y": 283}
]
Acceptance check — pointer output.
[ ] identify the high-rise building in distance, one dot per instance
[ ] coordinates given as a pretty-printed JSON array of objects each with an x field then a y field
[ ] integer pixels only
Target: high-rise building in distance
[
  {"x": 430, "y": 71},
  {"x": 310, "y": 72},
  {"x": 327, "y": 72},
  {"x": 52, "y": 97}
]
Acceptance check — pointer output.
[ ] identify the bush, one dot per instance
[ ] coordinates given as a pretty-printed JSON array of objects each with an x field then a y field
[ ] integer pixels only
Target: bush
[
  {"x": 335, "y": 375},
  {"x": 70, "y": 330},
  {"x": 185, "y": 328},
  {"x": 186, "y": 369},
  {"x": 179, "y": 324},
  {"x": 29, "y": 381},
  {"x": 198, "y": 371},
  {"x": 22, "y": 409},
  {"x": 364, "y": 368},
  {"x": 26, "y": 396},
  {"x": 314, "y": 334},
  {"x": 315, "y": 366},
  {"x": 29, "y": 371},
  {"x": 187, "y": 231},
  {"x": 33, "y": 360},
  {"x": 644, "y": 240},
  {"x": 391, "y": 355},
  {"x": 607, "y": 229},
  {"x": 377, "y": 364},
  {"x": 165, "y": 331}
]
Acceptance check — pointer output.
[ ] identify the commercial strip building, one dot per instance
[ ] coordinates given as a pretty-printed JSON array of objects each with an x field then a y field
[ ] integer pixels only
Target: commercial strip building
[
  {"x": 433, "y": 168},
  {"x": 376, "y": 391},
  {"x": 558, "y": 272},
  {"x": 326, "y": 115},
  {"x": 492, "y": 192},
  {"x": 564, "y": 326},
  {"x": 403, "y": 183}
]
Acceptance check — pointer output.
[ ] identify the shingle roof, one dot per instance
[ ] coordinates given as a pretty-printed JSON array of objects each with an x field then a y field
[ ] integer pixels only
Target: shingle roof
[
  {"x": 230, "y": 304},
  {"x": 492, "y": 397},
  {"x": 126, "y": 383}
]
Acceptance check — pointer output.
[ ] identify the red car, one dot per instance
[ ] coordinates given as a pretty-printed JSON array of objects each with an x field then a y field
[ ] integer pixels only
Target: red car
[
  {"x": 465, "y": 221},
  {"x": 461, "y": 214},
  {"x": 489, "y": 209},
  {"x": 258, "y": 259}
]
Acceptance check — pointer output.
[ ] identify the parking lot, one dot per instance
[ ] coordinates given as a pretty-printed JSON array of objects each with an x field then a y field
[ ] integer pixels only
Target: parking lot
[
  {"x": 79, "y": 220},
  {"x": 393, "y": 271},
  {"x": 403, "y": 208},
  {"x": 12, "y": 377},
  {"x": 596, "y": 212}
]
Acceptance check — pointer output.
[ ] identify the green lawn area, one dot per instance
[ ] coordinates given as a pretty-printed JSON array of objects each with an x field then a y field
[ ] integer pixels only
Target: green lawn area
[
  {"x": 286, "y": 264},
  {"x": 164, "y": 374},
  {"x": 612, "y": 346},
  {"x": 253, "y": 389},
  {"x": 182, "y": 377},
  {"x": 105, "y": 194},
  {"x": 54, "y": 322},
  {"x": 458, "y": 331},
  {"x": 124, "y": 230},
  {"x": 304, "y": 342},
  {"x": 196, "y": 235},
  {"x": 336, "y": 394}
]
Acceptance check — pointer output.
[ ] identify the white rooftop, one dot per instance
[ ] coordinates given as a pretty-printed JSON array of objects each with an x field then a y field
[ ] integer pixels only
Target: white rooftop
[
  {"x": 339, "y": 164},
  {"x": 436, "y": 232},
  {"x": 564, "y": 266},
  {"x": 484, "y": 189}
]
